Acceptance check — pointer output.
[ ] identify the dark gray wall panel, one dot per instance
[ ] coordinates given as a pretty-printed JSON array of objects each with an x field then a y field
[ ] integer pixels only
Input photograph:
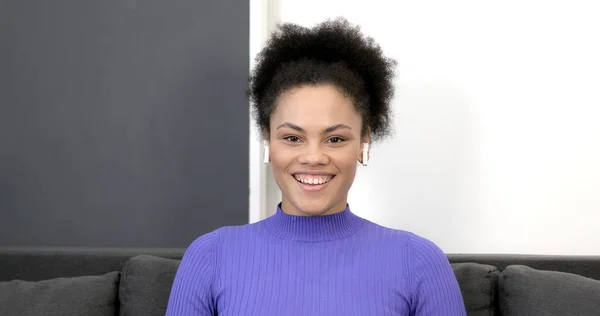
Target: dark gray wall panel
[{"x": 122, "y": 123}]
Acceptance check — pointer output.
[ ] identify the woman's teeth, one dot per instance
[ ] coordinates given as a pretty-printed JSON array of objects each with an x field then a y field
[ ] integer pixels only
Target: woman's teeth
[{"x": 314, "y": 180}]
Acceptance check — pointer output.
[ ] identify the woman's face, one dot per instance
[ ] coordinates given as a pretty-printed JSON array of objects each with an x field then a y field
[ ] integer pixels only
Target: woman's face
[{"x": 315, "y": 142}]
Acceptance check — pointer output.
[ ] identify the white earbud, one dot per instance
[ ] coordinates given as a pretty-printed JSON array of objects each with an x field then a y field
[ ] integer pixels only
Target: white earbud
[
  {"x": 365, "y": 154},
  {"x": 266, "y": 153}
]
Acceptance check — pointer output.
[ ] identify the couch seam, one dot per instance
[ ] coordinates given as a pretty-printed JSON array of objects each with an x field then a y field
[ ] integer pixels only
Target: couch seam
[
  {"x": 494, "y": 292},
  {"x": 122, "y": 285}
]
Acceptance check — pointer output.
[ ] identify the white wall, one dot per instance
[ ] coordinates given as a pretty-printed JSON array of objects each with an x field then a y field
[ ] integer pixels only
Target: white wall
[{"x": 497, "y": 142}]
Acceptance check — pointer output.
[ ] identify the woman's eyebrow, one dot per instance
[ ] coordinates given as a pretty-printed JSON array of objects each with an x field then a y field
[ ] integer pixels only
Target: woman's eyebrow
[
  {"x": 325, "y": 131},
  {"x": 292, "y": 126},
  {"x": 336, "y": 127}
]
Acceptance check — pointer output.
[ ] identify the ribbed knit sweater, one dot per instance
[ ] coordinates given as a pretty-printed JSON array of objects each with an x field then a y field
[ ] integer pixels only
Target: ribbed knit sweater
[{"x": 339, "y": 264}]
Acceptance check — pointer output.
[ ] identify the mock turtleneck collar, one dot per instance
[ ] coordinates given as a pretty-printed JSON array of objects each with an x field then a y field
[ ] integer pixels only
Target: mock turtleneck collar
[{"x": 313, "y": 228}]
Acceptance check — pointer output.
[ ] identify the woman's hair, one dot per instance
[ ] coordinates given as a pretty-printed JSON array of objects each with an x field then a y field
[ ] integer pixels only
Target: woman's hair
[{"x": 333, "y": 52}]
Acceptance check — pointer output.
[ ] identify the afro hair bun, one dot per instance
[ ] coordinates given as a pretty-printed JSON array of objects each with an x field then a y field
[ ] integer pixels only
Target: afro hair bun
[{"x": 334, "y": 52}]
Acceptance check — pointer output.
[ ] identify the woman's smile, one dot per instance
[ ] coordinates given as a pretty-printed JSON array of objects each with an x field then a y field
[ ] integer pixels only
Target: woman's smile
[{"x": 313, "y": 182}]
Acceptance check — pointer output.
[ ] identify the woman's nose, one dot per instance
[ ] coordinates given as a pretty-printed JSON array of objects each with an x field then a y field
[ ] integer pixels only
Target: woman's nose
[{"x": 314, "y": 155}]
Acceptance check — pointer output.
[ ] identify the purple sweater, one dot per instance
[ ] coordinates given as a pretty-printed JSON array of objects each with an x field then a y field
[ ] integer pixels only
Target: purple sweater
[{"x": 331, "y": 265}]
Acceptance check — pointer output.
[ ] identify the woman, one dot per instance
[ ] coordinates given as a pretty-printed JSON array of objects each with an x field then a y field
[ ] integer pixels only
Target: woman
[{"x": 320, "y": 97}]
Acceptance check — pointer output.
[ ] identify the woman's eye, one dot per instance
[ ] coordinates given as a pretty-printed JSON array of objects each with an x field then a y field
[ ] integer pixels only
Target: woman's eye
[
  {"x": 335, "y": 140},
  {"x": 293, "y": 139}
]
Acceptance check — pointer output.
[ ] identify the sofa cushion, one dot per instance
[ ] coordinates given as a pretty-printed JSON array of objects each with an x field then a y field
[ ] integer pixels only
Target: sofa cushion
[
  {"x": 86, "y": 295},
  {"x": 478, "y": 284},
  {"x": 527, "y": 291},
  {"x": 146, "y": 283}
]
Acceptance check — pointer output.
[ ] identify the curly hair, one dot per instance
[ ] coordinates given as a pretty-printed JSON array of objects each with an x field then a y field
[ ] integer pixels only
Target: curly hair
[{"x": 333, "y": 52}]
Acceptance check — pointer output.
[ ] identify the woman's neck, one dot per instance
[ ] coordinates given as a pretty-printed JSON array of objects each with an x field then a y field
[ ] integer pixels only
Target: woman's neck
[
  {"x": 289, "y": 208},
  {"x": 313, "y": 228}
]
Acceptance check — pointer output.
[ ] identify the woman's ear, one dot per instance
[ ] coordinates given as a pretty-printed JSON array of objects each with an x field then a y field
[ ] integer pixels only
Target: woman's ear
[
  {"x": 266, "y": 152},
  {"x": 266, "y": 147},
  {"x": 365, "y": 154},
  {"x": 365, "y": 150}
]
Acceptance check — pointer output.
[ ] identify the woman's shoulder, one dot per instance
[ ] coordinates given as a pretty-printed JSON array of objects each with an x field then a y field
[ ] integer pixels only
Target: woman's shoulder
[
  {"x": 430, "y": 282},
  {"x": 417, "y": 246},
  {"x": 214, "y": 239}
]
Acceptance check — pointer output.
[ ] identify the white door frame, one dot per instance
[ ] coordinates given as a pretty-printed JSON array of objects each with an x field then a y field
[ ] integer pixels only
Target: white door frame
[{"x": 264, "y": 193}]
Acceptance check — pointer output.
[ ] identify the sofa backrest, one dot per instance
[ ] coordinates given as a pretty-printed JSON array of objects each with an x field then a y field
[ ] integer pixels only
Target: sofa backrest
[
  {"x": 35, "y": 264},
  {"x": 587, "y": 266},
  {"x": 480, "y": 276}
]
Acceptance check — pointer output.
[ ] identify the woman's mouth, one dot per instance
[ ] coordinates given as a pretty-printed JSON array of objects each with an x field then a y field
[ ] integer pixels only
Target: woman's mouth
[{"x": 312, "y": 182}]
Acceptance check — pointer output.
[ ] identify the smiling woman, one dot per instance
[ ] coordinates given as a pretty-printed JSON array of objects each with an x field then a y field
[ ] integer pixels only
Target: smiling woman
[
  {"x": 315, "y": 142},
  {"x": 320, "y": 97}
]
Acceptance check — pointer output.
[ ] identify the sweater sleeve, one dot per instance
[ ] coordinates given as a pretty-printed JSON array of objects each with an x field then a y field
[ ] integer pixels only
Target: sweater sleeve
[
  {"x": 191, "y": 293},
  {"x": 435, "y": 288}
]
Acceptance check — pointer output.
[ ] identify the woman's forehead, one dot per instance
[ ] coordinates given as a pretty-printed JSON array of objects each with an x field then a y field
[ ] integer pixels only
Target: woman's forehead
[{"x": 315, "y": 103}]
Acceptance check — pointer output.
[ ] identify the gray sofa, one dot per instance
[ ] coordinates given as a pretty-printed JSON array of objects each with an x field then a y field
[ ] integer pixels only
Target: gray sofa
[{"x": 137, "y": 282}]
